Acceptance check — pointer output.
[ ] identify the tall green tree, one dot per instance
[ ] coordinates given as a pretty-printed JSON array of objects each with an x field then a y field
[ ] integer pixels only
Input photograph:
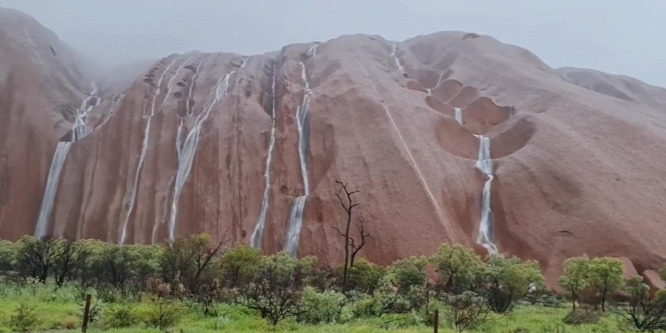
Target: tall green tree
[
  {"x": 239, "y": 265},
  {"x": 606, "y": 277},
  {"x": 575, "y": 277},
  {"x": 509, "y": 279},
  {"x": 404, "y": 287},
  {"x": 458, "y": 266}
]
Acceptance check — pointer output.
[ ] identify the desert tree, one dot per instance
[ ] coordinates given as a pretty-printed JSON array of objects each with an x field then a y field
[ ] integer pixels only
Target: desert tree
[
  {"x": 188, "y": 259},
  {"x": 465, "y": 311},
  {"x": 353, "y": 245},
  {"x": 576, "y": 277},
  {"x": 35, "y": 258},
  {"x": 66, "y": 258},
  {"x": 239, "y": 265},
  {"x": 458, "y": 266},
  {"x": 276, "y": 287},
  {"x": 509, "y": 279},
  {"x": 606, "y": 277},
  {"x": 7, "y": 258},
  {"x": 643, "y": 313}
]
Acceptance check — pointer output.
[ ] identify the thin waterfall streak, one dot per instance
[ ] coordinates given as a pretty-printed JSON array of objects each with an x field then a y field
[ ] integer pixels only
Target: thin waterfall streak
[
  {"x": 171, "y": 83},
  {"x": 458, "y": 115},
  {"x": 485, "y": 164},
  {"x": 79, "y": 130},
  {"x": 188, "y": 149},
  {"x": 402, "y": 139},
  {"x": 189, "y": 94},
  {"x": 257, "y": 234},
  {"x": 296, "y": 215},
  {"x": 312, "y": 51},
  {"x": 57, "y": 162},
  {"x": 179, "y": 138},
  {"x": 295, "y": 224},
  {"x": 439, "y": 80},
  {"x": 142, "y": 156},
  {"x": 394, "y": 49}
]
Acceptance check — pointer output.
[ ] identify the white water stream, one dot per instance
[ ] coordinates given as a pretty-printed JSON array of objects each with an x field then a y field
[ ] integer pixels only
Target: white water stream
[
  {"x": 257, "y": 234},
  {"x": 129, "y": 205},
  {"x": 394, "y": 49},
  {"x": 187, "y": 149},
  {"x": 458, "y": 115},
  {"x": 485, "y": 164},
  {"x": 79, "y": 130},
  {"x": 296, "y": 215}
]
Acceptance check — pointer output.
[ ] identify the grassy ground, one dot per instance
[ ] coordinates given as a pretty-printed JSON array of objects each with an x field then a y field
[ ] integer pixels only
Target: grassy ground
[{"x": 60, "y": 311}]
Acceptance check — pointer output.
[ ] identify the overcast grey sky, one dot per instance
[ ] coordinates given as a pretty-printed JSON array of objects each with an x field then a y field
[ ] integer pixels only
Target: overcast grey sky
[{"x": 616, "y": 36}]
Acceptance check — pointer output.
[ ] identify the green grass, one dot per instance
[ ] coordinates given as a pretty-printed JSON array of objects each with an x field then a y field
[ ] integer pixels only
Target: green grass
[{"x": 60, "y": 311}]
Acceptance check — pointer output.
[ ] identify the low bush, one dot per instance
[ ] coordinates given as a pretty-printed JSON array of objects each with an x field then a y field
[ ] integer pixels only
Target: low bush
[
  {"x": 119, "y": 316},
  {"x": 581, "y": 316},
  {"x": 366, "y": 306},
  {"x": 321, "y": 308},
  {"x": 465, "y": 311},
  {"x": 164, "y": 314},
  {"x": 23, "y": 319}
]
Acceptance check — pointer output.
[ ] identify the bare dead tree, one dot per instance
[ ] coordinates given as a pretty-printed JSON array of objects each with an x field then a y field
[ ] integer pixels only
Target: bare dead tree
[
  {"x": 352, "y": 246},
  {"x": 364, "y": 235}
]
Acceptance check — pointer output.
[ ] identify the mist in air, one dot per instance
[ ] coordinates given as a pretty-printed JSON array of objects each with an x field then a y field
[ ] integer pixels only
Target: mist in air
[{"x": 618, "y": 37}]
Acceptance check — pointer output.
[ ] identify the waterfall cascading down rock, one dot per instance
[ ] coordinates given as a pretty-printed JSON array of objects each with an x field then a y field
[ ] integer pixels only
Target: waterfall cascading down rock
[
  {"x": 129, "y": 205},
  {"x": 394, "y": 55},
  {"x": 485, "y": 164},
  {"x": 79, "y": 130},
  {"x": 312, "y": 51},
  {"x": 185, "y": 150},
  {"x": 257, "y": 234},
  {"x": 458, "y": 115},
  {"x": 296, "y": 214},
  {"x": 57, "y": 163}
]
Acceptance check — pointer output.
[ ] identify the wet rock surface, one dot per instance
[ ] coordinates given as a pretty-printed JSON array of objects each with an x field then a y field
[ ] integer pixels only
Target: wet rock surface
[{"x": 183, "y": 148}]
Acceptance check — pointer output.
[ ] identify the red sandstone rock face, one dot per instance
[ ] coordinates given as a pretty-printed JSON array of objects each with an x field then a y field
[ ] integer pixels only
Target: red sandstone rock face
[
  {"x": 40, "y": 87},
  {"x": 653, "y": 280},
  {"x": 576, "y": 172}
]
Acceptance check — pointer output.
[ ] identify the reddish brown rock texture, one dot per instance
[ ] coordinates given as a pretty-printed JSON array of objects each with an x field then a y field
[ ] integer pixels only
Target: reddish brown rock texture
[
  {"x": 576, "y": 171},
  {"x": 653, "y": 280}
]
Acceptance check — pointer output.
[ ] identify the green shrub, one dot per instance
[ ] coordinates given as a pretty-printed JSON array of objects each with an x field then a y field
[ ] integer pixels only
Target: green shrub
[
  {"x": 429, "y": 312},
  {"x": 321, "y": 308},
  {"x": 164, "y": 314},
  {"x": 366, "y": 306},
  {"x": 466, "y": 311},
  {"x": 119, "y": 316},
  {"x": 459, "y": 267},
  {"x": 550, "y": 301},
  {"x": 24, "y": 318},
  {"x": 364, "y": 276},
  {"x": 394, "y": 321},
  {"x": 660, "y": 296},
  {"x": 509, "y": 280},
  {"x": 580, "y": 316}
]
